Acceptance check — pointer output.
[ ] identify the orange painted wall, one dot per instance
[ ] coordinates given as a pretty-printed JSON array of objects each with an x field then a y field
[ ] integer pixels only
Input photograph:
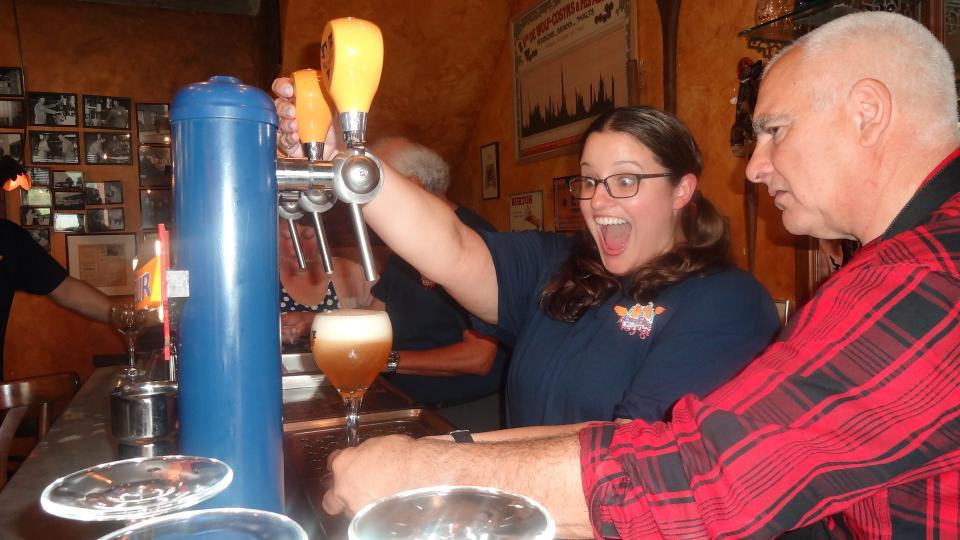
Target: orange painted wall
[
  {"x": 708, "y": 51},
  {"x": 146, "y": 54}
]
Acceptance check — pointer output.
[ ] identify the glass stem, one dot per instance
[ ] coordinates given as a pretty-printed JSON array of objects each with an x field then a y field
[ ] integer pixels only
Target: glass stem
[
  {"x": 353, "y": 412},
  {"x": 131, "y": 352}
]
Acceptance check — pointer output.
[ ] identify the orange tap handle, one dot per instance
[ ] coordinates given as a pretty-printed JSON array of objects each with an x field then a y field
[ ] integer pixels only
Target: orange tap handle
[
  {"x": 351, "y": 56},
  {"x": 313, "y": 111}
]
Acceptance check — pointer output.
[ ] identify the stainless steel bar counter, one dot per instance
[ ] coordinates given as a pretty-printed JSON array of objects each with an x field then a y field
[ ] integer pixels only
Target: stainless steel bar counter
[{"x": 313, "y": 427}]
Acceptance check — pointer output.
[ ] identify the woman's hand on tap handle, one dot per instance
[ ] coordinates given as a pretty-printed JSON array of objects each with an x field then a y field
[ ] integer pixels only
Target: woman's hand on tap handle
[{"x": 288, "y": 140}]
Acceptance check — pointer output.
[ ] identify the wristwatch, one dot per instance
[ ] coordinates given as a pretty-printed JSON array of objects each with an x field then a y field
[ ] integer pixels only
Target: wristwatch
[
  {"x": 462, "y": 436},
  {"x": 393, "y": 361}
]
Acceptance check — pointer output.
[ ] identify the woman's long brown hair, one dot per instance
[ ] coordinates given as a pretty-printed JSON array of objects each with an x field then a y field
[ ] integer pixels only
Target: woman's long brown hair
[{"x": 583, "y": 282}]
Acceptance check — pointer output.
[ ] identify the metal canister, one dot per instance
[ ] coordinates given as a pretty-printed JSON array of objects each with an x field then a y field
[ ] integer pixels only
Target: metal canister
[{"x": 225, "y": 212}]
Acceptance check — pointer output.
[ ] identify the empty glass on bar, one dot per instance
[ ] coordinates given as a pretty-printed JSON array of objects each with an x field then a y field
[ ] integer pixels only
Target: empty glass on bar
[
  {"x": 351, "y": 346},
  {"x": 128, "y": 321}
]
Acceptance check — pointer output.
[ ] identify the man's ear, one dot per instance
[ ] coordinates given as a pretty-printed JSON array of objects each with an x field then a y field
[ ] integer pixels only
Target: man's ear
[
  {"x": 684, "y": 190},
  {"x": 871, "y": 105}
]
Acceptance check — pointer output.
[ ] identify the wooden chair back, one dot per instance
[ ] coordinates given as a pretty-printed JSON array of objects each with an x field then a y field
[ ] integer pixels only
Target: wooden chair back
[{"x": 17, "y": 396}]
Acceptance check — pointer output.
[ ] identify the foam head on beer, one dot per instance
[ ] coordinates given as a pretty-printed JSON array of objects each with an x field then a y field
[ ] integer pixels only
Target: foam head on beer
[{"x": 351, "y": 346}]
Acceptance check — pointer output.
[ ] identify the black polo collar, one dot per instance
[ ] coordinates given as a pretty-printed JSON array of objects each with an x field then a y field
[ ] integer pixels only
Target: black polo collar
[{"x": 944, "y": 184}]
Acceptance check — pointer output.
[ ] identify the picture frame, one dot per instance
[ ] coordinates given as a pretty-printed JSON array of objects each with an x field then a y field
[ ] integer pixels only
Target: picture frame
[
  {"x": 11, "y": 81},
  {"x": 107, "y": 148},
  {"x": 12, "y": 114},
  {"x": 153, "y": 123},
  {"x": 569, "y": 65},
  {"x": 156, "y": 166},
  {"x": 567, "y": 216},
  {"x": 155, "y": 208},
  {"x": 526, "y": 211},
  {"x": 36, "y": 196},
  {"x": 104, "y": 192},
  {"x": 106, "y": 112},
  {"x": 59, "y": 147},
  {"x": 490, "y": 170},
  {"x": 12, "y": 144},
  {"x": 69, "y": 200},
  {"x": 40, "y": 176},
  {"x": 41, "y": 236},
  {"x": 52, "y": 109},
  {"x": 68, "y": 180},
  {"x": 103, "y": 261},
  {"x": 105, "y": 219},
  {"x": 68, "y": 222},
  {"x": 36, "y": 217}
]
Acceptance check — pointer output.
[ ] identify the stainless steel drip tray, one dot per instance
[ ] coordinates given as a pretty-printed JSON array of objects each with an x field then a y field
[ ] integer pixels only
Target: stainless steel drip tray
[{"x": 298, "y": 363}]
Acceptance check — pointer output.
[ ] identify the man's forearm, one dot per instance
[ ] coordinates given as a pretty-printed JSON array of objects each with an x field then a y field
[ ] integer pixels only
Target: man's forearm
[
  {"x": 464, "y": 358},
  {"x": 547, "y": 470},
  {"x": 82, "y": 298}
]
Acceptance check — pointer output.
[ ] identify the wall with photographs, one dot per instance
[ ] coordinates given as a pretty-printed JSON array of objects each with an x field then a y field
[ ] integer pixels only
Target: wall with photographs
[
  {"x": 91, "y": 72},
  {"x": 708, "y": 51}
]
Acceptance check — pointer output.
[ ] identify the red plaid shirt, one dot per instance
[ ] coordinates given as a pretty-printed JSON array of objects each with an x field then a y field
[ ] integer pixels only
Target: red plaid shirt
[{"x": 851, "y": 420}]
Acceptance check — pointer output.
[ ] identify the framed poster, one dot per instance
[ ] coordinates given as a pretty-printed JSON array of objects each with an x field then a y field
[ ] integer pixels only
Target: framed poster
[
  {"x": 153, "y": 123},
  {"x": 106, "y": 112},
  {"x": 155, "y": 207},
  {"x": 35, "y": 217},
  {"x": 106, "y": 148},
  {"x": 11, "y": 114},
  {"x": 52, "y": 109},
  {"x": 105, "y": 219},
  {"x": 103, "y": 260},
  {"x": 11, "y": 81},
  {"x": 68, "y": 180},
  {"x": 526, "y": 211},
  {"x": 156, "y": 166},
  {"x": 68, "y": 222},
  {"x": 55, "y": 147},
  {"x": 40, "y": 176},
  {"x": 490, "y": 170},
  {"x": 567, "y": 216},
  {"x": 569, "y": 65},
  {"x": 36, "y": 196},
  {"x": 104, "y": 192},
  {"x": 11, "y": 144}
]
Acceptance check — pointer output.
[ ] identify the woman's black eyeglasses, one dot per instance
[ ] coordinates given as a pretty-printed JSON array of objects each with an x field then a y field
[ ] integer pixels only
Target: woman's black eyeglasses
[{"x": 619, "y": 186}]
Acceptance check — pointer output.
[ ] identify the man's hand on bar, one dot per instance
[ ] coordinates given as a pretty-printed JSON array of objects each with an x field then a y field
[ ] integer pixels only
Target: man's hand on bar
[{"x": 545, "y": 469}]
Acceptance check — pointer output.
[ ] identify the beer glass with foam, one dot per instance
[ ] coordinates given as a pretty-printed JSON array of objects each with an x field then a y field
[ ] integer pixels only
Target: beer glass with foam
[{"x": 351, "y": 346}]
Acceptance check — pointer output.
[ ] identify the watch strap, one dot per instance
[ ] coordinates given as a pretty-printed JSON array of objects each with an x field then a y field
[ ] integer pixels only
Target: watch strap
[{"x": 462, "y": 436}]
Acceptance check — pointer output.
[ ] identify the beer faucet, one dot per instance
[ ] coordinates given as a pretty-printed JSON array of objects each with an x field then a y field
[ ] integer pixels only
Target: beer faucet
[{"x": 351, "y": 64}]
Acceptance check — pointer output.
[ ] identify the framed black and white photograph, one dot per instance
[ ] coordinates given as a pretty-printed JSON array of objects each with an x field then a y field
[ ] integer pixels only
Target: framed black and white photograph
[
  {"x": 490, "y": 170},
  {"x": 52, "y": 109},
  {"x": 35, "y": 217},
  {"x": 156, "y": 168},
  {"x": 153, "y": 123},
  {"x": 40, "y": 176},
  {"x": 154, "y": 208},
  {"x": 55, "y": 147},
  {"x": 11, "y": 144},
  {"x": 41, "y": 236},
  {"x": 69, "y": 200},
  {"x": 11, "y": 81},
  {"x": 12, "y": 114},
  {"x": 68, "y": 180},
  {"x": 107, "y": 148},
  {"x": 104, "y": 261},
  {"x": 106, "y": 112},
  {"x": 104, "y": 192},
  {"x": 35, "y": 196},
  {"x": 105, "y": 219},
  {"x": 64, "y": 222}
]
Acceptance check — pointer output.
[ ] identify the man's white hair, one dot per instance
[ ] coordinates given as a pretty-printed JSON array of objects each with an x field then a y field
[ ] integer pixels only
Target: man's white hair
[
  {"x": 412, "y": 159},
  {"x": 891, "y": 48}
]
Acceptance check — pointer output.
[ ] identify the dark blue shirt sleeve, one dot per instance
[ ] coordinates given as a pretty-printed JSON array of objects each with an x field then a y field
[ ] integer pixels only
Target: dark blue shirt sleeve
[
  {"x": 726, "y": 319},
  {"x": 26, "y": 265}
]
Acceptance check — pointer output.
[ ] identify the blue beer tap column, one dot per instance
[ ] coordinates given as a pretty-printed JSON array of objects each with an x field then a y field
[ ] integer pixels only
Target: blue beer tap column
[{"x": 225, "y": 207}]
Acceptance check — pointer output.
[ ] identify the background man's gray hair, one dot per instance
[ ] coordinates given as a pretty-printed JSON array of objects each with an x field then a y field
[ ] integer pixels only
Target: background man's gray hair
[
  {"x": 412, "y": 159},
  {"x": 902, "y": 54}
]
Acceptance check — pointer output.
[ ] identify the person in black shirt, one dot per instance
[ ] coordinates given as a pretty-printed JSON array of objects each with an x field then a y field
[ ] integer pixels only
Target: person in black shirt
[{"x": 27, "y": 267}]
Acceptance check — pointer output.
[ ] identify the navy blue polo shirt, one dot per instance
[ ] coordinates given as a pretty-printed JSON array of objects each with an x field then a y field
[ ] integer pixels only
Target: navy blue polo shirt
[
  {"x": 425, "y": 318},
  {"x": 620, "y": 360}
]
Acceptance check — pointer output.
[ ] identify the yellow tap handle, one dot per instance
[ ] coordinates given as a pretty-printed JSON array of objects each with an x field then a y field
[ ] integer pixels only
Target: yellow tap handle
[
  {"x": 313, "y": 111},
  {"x": 351, "y": 59}
]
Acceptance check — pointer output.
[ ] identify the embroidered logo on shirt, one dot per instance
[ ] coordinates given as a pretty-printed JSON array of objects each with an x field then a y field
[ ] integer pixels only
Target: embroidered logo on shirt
[{"x": 638, "y": 319}]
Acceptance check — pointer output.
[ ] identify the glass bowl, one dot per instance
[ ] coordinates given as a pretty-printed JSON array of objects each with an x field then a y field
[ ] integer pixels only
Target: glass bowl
[{"x": 216, "y": 523}]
